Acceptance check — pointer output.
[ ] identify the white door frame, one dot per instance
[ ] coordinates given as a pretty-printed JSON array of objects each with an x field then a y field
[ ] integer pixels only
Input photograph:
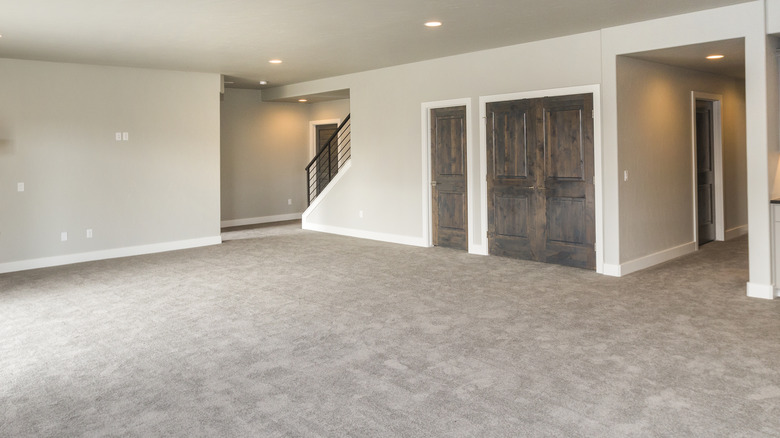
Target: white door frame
[
  {"x": 597, "y": 155},
  {"x": 471, "y": 170},
  {"x": 717, "y": 160}
]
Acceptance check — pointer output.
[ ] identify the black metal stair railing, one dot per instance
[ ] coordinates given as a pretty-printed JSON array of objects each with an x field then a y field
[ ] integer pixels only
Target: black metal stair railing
[{"x": 329, "y": 160}]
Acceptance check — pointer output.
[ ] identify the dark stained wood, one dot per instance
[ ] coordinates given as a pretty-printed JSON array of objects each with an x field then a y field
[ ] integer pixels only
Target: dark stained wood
[
  {"x": 323, "y": 134},
  {"x": 568, "y": 189},
  {"x": 540, "y": 180},
  {"x": 705, "y": 172},
  {"x": 448, "y": 177},
  {"x": 512, "y": 172}
]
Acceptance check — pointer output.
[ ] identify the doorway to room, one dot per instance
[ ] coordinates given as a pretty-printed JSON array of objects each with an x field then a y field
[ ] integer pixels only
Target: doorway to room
[
  {"x": 709, "y": 191},
  {"x": 449, "y": 201}
]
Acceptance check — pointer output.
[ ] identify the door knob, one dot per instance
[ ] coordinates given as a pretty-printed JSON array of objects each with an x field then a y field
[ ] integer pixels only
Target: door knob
[{"x": 433, "y": 183}]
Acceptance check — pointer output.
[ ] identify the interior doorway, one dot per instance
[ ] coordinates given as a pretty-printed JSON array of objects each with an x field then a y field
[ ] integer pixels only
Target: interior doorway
[
  {"x": 707, "y": 149},
  {"x": 449, "y": 200}
]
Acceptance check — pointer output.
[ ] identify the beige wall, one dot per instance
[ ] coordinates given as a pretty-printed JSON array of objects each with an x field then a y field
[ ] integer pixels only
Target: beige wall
[
  {"x": 385, "y": 181},
  {"x": 264, "y": 150},
  {"x": 57, "y": 135},
  {"x": 334, "y": 109},
  {"x": 654, "y": 133}
]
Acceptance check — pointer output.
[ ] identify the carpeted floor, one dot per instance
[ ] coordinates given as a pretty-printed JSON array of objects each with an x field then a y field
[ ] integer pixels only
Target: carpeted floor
[{"x": 313, "y": 335}]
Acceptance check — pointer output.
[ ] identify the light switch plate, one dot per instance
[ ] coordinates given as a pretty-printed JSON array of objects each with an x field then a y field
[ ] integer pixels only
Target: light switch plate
[{"x": 20, "y": 187}]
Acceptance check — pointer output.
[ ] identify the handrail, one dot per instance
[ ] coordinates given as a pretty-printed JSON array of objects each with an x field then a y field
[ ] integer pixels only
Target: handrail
[
  {"x": 326, "y": 164},
  {"x": 330, "y": 139}
]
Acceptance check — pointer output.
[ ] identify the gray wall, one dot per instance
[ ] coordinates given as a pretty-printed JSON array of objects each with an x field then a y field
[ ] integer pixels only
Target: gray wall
[
  {"x": 264, "y": 150},
  {"x": 386, "y": 178},
  {"x": 654, "y": 132},
  {"x": 57, "y": 126}
]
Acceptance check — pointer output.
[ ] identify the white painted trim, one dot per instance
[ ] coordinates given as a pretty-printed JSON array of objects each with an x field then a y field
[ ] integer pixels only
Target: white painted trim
[
  {"x": 313, "y": 134},
  {"x": 597, "y": 155},
  {"x": 611, "y": 270},
  {"x": 735, "y": 232},
  {"x": 471, "y": 171},
  {"x": 305, "y": 215},
  {"x": 656, "y": 258},
  {"x": 363, "y": 234},
  {"x": 765, "y": 291},
  {"x": 717, "y": 151},
  {"x": 260, "y": 220},
  {"x": 46, "y": 262}
]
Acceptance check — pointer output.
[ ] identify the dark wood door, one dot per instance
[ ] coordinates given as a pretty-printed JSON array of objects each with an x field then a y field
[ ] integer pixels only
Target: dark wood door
[
  {"x": 705, "y": 172},
  {"x": 540, "y": 180},
  {"x": 325, "y": 163},
  {"x": 448, "y": 177}
]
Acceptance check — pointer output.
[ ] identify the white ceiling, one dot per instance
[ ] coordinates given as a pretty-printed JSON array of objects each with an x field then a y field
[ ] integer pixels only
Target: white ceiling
[
  {"x": 315, "y": 38},
  {"x": 694, "y": 57}
]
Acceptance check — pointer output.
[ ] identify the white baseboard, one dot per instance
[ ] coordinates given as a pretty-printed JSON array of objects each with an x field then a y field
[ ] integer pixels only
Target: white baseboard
[
  {"x": 478, "y": 249},
  {"x": 68, "y": 259},
  {"x": 259, "y": 220},
  {"x": 363, "y": 234},
  {"x": 736, "y": 232},
  {"x": 611, "y": 270},
  {"x": 649, "y": 260},
  {"x": 765, "y": 291}
]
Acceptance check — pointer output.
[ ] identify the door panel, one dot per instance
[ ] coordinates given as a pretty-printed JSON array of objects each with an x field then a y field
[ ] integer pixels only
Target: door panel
[
  {"x": 448, "y": 177},
  {"x": 325, "y": 168},
  {"x": 564, "y": 144},
  {"x": 511, "y": 213},
  {"x": 510, "y": 149},
  {"x": 540, "y": 180}
]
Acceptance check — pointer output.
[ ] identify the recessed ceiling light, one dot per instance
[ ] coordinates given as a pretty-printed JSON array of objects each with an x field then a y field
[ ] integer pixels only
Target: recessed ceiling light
[
  {"x": 263, "y": 82},
  {"x": 715, "y": 57},
  {"x": 302, "y": 100},
  {"x": 433, "y": 23},
  {"x": 275, "y": 61}
]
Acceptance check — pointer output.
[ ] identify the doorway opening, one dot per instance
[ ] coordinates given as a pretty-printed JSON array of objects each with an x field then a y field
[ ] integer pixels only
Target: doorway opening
[
  {"x": 707, "y": 168},
  {"x": 449, "y": 200}
]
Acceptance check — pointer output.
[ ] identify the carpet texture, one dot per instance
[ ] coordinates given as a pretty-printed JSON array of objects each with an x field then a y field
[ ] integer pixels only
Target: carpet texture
[{"x": 313, "y": 335}]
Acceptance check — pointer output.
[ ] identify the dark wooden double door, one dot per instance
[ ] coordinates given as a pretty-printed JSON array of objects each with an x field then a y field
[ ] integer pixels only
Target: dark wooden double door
[{"x": 540, "y": 170}]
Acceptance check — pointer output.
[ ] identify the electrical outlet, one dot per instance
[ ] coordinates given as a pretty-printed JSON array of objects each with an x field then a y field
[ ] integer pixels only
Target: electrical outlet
[
  {"x": 118, "y": 136},
  {"x": 360, "y": 214},
  {"x": 20, "y": 187},
  {"x": 64, "y": 236},
  {"x": 625, "y": 175},
  {"x": 289, "y": 202},
  {"x": 89, "y": 233}
]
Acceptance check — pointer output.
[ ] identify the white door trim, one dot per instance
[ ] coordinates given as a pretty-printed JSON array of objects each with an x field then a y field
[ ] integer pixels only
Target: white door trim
[
  {"x": 597, "y": 154},
  {"x": 471, "y": 170},
  {"x": 717, "y": 160}
]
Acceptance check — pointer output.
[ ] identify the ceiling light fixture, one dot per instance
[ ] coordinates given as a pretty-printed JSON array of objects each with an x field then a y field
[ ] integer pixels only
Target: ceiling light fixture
[
  {"x": 433, "y": 23},
  {"x": 715, "y": 57},
  {"x": 275, "y": 61},
  {"x": 302, "y": 100},
  {"x": 263, "y": 82}
]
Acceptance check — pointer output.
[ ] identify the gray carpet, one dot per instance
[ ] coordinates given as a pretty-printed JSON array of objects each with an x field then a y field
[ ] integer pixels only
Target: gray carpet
[{"x": 314, "y": 335}]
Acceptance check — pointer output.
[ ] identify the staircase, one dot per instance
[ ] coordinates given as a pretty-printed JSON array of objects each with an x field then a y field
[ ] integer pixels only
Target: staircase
[{"x": 326, "y": 164}]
